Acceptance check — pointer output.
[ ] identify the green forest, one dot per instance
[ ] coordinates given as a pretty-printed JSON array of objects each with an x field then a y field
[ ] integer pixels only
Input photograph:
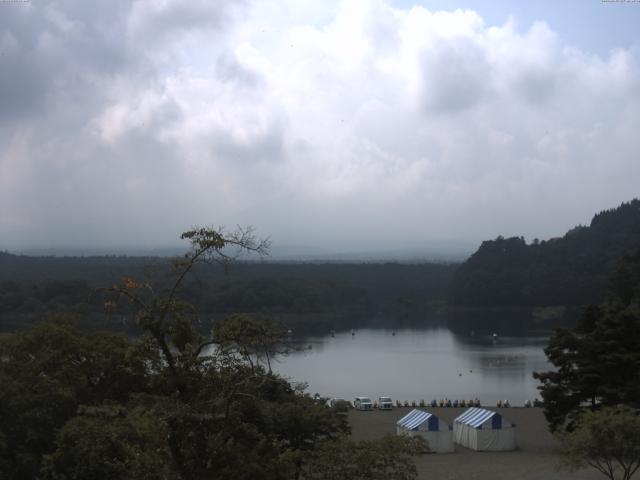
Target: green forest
[
  {"x": 173, "y": 403},
  {"x": 543, "y": 283},
  {"x": 571, "y": 270},
  {"x": 507, "y": 284},
  {"x": 191, "y": 393},
  {"x": 306, "y": 297}
]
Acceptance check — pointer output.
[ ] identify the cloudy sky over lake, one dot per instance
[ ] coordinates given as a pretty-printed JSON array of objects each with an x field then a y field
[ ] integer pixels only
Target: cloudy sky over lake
[{"x": 350, "y": 125}]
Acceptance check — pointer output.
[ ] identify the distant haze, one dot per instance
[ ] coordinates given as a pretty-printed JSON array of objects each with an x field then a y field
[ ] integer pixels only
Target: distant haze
[
  {"x": 441, "y": 252},
  {"x": 354, "y": 128}
]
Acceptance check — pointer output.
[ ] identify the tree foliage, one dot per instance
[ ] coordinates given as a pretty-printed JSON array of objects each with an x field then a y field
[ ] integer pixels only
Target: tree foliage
[
  {"x": 173, "y": 404},
  {"x": 48, "y": 372},
  {"x": 110, "y": 441},
  {"x": 607, "y": 440},
  {"x": 385, "y": 459},
  {"x": 598, "y": 362},
  {"x": 309, "y": 297},
  {"x": 569, "y": 270},
  {"x": 253, "y": 339}
]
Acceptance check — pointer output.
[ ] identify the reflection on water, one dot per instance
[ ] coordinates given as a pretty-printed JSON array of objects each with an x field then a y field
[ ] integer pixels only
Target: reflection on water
[{"x": 419, "y": 364}]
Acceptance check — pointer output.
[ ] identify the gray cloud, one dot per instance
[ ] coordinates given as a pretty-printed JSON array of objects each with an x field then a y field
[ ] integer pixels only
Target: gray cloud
[
  {"x": 51, "y": 48},
  {"x": 456, "y": 76},
  {"x": 356, "y": 125},
  {"x": 229, "y": 69},
  {"x": 153, "y": 22}
]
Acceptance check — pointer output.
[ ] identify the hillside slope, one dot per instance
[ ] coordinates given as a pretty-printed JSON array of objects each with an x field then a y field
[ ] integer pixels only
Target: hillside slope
[{"x": 568, "y": 271}]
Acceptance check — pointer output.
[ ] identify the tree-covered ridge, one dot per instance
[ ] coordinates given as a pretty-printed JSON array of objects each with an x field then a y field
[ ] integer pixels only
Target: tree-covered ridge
[
  {"x": 309, "y": 297},
  {"x": 572, "y": 270}
]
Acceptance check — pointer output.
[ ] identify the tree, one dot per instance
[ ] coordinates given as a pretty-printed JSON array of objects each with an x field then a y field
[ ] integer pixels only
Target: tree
[
  {"x": 110, "y": 441},
  {"x": 47, "y": 373},
  {"x": 387, "y": 459},
  {"x": 176, "y": 403},
  {"x": 254, "y": 339},
  {"x": 226, "y": 415},
  {"x": 169, "y": 321},
  {"x": 598, "y": 362},
  {"x": 607, "y": 440}
]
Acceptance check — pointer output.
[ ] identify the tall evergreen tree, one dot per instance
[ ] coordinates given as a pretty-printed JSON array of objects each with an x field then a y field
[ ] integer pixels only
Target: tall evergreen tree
[{"x": 598, "y": 362}]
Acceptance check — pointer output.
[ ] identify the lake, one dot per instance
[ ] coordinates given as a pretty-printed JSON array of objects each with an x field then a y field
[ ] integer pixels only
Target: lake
[{"x": 418, "y": 364}]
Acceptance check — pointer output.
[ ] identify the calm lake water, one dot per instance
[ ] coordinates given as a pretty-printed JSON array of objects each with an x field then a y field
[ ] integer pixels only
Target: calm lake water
[{"x": 418, "y": 364}]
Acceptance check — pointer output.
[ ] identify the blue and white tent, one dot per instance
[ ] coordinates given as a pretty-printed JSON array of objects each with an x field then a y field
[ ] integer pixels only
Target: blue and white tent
[
  {"x": 437, "y": 433},
  {"x": 485, "y": 430}
]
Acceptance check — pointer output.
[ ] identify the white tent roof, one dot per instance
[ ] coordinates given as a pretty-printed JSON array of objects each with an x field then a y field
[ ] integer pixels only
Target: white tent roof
[
  {"x": 438, "y": 435},
  {"x": 414, "y": 419},
  {"x": 475, "y": 417}
]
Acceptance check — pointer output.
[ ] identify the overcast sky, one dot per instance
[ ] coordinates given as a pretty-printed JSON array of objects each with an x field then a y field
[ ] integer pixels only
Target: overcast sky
[{"x": 350, "y": 125}]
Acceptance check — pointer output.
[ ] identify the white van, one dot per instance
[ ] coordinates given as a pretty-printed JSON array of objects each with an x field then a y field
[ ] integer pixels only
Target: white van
[
  {"x": 385, "y": 403},
  {"x": 362, "y": 403}
]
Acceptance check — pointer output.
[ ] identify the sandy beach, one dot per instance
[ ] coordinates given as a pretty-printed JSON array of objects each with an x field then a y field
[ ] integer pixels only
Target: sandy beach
[{"x": 536, "y": 457}]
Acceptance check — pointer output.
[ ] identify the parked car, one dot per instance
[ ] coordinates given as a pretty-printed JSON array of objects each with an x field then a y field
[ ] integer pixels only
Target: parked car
[
  {"x": 385, "y": 403},
  {"x": 362, "y": 403}
]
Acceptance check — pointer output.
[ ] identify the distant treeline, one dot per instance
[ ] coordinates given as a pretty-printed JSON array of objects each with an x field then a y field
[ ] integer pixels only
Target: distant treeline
[
  {"x": 508, "y": 277},
  {"x": 309, "y": 297},
  {"x": 508, "y": 285}
]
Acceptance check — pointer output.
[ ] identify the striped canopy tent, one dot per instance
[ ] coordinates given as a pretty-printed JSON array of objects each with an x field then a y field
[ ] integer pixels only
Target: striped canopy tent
[
  {"x": 484, "y": 430},
  {"x": 437, "y": 433}
]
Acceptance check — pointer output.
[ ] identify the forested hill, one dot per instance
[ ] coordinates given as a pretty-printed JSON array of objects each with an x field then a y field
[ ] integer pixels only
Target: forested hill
[
  {"x": 568, "y": 271},
  {"x": 309, "y": 297}
]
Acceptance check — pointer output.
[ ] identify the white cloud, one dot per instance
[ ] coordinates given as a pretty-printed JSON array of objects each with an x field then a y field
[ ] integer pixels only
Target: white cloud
[{"x": 352, "y": 122}]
